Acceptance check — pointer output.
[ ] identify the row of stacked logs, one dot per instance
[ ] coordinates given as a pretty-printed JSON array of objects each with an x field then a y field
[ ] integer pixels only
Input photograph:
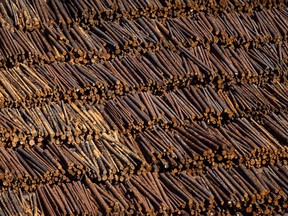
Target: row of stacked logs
[
  {"x": 30, "y": 15},
  {"x": 138, "y": 111},
  {"x": 217, "y": 192},
  {"x": 152, "y": 72},
  {"x": 87, "y": 44},
  {"x": 116, "y": 157}
]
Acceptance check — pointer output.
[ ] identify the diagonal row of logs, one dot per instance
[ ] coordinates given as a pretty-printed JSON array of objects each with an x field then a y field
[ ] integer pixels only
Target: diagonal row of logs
[
  {"x": 116, "y": 157},
  {"x": 30, "y": 15},
  {"x": 134, "y": 112},
  {"x": 190, "y": 147},
  {"x": 88, "y": 44},
  {"x": 153, "y": 72},
  {"x": 27, "y": 168},
  {"x": 217, "y": 192}
]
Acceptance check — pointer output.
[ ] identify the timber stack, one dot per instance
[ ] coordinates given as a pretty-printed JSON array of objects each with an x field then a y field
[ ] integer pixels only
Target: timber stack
[{"x": 147, "y": 107}]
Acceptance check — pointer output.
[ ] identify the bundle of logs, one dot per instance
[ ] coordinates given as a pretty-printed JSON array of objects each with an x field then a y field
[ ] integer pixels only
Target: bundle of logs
[
  {"x": 96, "y": 43},
  {"x": 135, "y": 112},
  {"x": 30, "y": 15},
  {"x": 153, "y": 72},
  {"x": 217, "y": 192},
  {"x": 116, "y": 157},
  {"x": 143, "y": 107}
]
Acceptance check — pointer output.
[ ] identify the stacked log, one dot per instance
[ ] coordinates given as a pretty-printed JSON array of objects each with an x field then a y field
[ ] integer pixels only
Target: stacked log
[
  {"x": 153, "y": 72},
  {"x": 217, "y": 192},
  {"x": 136, "y": 112},
  {"x": 31, "y": 15},
  {"x": 143, "y": 107},
  {"x": 188, "y": 148},
  {"x": 81, "y": 43}
]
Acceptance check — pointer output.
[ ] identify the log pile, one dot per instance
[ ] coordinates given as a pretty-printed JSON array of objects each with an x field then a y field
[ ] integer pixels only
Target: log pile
[
  {"x": 86, "y": 44},
  {"x": 143, "y": 107},
  {"x": 136, "y": 112},
  {"x": 217, "y": 192},
  {"x": 30, "y": 15},
  {"x": 71, "y": 122},
  {"x": 117, "y": 158},
  {"x": 152, "y": 72}
]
